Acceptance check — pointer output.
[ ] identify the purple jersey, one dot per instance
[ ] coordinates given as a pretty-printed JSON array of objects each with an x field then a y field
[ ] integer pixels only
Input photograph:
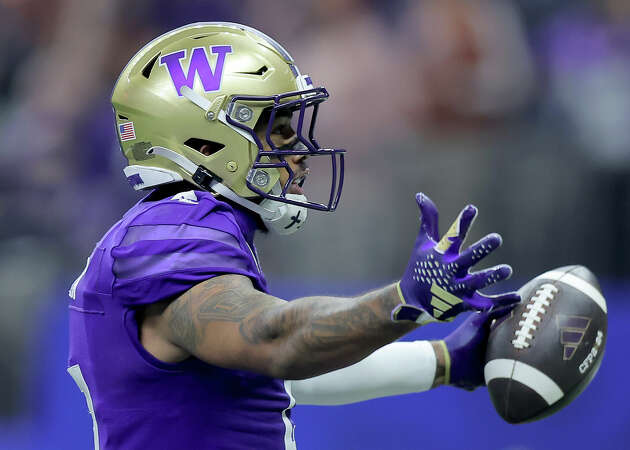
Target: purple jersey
[{"x": 157, "y": 251}]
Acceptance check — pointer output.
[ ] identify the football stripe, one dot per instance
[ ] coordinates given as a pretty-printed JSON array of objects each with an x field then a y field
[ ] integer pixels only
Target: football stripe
[
  {"x": 578, "y": 284},
  {"x": 525, "y": 374}
]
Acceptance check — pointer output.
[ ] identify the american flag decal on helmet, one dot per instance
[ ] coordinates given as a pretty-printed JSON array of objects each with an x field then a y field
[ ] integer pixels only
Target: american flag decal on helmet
[{"x": 127, "y": 132}]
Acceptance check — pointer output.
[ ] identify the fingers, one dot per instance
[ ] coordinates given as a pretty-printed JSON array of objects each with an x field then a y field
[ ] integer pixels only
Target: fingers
[
  {"x": 484, "y": 318},
  {"x": 484, "y": 278},
  {"x": 456, "y": 234},
  {"x": 429, "y": 216},
  {"x": 497, "y": 312},
  {"x": 479, "y": 250},
  {"x": 496, "y": 305},
  {"x": 504, "y": 301}
]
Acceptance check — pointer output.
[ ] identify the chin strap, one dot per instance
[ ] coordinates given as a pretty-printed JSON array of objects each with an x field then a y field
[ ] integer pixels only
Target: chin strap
[
  {"x": 208, "y": 181},
  {"x": 281, "y": 218}
]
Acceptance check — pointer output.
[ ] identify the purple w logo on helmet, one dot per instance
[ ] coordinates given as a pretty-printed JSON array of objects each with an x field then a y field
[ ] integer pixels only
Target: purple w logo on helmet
[{"x": 199, "y": 64}]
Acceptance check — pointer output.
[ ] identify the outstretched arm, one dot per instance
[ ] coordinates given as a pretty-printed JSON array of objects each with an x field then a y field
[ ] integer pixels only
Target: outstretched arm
[
  {"x": 226, "y": 322},
  {"x": 406, "y": 367}
]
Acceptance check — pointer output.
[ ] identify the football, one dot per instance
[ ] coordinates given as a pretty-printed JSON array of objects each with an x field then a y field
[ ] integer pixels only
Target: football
[{"x": 548, "y": 349}]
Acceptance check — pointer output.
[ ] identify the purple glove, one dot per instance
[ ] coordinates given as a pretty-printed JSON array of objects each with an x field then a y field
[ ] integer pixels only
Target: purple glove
[
  {"x": 466, "y": 348},
  {"x": 437, "y": 283}
]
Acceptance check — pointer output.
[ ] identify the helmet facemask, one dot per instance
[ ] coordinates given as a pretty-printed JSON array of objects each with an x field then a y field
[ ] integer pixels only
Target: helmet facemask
[{"x": 303, "y": 105}]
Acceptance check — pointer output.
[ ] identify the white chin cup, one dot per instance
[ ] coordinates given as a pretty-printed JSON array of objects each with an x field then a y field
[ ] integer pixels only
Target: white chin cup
[{"x": 289, "y": 218}]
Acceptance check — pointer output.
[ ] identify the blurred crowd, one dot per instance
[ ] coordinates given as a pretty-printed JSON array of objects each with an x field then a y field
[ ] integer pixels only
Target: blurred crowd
[{"x": 520, "y": 107}]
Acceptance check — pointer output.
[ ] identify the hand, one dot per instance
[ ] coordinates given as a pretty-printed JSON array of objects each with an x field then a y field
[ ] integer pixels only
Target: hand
[
  {"x": 466, "y": 348},
  {"x": 438, "y": 283}
]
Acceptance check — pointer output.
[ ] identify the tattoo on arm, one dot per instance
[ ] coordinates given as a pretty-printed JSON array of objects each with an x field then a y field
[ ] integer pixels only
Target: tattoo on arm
[
  {"x": 328, "y": 333},
  {"x": 225, "y": 298},
  {"x": 321, "y": 321},
  {"x": 181, "y": 324},
  {"x": 223, "y": 301},
  {"x": 318, "y": 333}
]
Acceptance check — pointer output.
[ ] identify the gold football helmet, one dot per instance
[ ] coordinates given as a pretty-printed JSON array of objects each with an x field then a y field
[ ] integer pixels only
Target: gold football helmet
[{"x": 208, "y": 84}]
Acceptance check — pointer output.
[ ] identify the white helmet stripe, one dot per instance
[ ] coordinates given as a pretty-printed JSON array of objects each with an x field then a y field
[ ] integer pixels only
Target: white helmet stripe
[{"x": 197, "y": 99}]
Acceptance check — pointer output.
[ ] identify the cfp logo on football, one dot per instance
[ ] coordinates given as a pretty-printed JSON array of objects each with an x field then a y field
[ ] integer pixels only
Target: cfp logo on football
[{"x": 593, "y": 353}]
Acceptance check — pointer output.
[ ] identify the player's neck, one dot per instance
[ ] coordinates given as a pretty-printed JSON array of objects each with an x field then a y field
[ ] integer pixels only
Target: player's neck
[{"x": 168, "y": 190}]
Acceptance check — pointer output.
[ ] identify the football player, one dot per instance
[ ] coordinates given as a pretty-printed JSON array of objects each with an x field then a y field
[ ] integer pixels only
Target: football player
[{"x": 174, "y": 339}]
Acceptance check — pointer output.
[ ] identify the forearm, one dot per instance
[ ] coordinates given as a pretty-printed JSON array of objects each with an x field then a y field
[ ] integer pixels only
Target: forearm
[
  {"x": 224, "y": 321},
  {"x": 316, "y": 335},
  {"x": 395, "y": 369}
]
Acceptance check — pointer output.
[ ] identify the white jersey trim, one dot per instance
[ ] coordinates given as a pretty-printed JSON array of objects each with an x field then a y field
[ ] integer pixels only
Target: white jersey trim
[
  {"x": 77, "y": 376},
  {"x": 289, "y": 429}
]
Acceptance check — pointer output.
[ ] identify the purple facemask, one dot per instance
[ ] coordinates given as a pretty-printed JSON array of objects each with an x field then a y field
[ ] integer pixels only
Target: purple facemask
[{"x": 307, "y": 102}]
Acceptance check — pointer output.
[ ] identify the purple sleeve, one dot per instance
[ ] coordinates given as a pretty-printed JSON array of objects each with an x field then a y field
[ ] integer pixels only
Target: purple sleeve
[{"x": 155, "y": 262}]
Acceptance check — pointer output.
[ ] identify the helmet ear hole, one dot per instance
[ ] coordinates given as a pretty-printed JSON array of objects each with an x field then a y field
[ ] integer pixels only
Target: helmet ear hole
[{"x": 209, "y": 147}]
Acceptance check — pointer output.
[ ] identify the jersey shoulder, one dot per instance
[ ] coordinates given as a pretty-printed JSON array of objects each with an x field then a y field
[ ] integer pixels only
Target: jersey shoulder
[
  {"x": 191, "y": 207},
  {"x": 165, "y": 247}
]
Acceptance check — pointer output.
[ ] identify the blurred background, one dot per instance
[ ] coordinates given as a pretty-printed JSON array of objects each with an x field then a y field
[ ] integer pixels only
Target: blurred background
[{"x": 519, "y": 107}]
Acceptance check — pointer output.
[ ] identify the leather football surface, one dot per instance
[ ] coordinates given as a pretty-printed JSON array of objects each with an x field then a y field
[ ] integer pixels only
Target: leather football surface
[{"x": 548, "y": 349}]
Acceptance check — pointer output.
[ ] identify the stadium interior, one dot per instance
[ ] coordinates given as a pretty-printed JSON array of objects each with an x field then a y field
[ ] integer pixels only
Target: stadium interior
[{"x": 520, "y": 107}]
